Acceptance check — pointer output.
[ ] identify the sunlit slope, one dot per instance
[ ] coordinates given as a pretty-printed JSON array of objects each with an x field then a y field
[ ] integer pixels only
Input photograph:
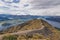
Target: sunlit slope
[{"x": 36, "y": 28}]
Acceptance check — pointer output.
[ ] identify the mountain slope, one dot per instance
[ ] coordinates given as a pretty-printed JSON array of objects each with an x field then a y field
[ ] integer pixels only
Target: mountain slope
[{"x": 34, "y": 27}]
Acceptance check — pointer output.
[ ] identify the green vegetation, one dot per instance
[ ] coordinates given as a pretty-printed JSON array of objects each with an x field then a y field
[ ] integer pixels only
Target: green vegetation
[
  {"x": 23, "y": 37},
  {"x": 10, "y": 37}
]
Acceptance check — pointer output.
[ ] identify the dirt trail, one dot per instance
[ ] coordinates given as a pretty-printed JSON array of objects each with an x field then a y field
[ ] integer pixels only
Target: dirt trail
[{"x": 21, "y": 32}]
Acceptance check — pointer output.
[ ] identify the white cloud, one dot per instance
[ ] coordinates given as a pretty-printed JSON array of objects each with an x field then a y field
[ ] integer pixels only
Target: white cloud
[
  {"x": 45, "y": 7},
  {"x": 35, "y": 7},
  {"x": 14, "y": 8},
  {"x": 8, "y": 0},
  {"x": 47, "y": 12}
]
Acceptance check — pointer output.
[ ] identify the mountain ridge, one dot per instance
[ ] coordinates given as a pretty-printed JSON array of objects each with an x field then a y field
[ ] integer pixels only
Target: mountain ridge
[{"x": 33, "y": 27}]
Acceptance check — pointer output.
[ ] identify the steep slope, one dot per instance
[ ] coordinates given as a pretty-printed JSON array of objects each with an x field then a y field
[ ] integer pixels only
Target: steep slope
[
  {"x": 34, "y": 27},
  {"x": 32, "y": 24}
]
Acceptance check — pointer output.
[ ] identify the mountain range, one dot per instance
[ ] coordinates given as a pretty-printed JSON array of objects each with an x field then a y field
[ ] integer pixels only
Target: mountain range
[
  {"x": 7, "y": 20},
  {"x": 9, "y": 16}
]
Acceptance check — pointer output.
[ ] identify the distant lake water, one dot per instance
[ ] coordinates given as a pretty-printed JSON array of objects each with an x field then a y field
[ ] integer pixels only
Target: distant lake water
[{"x": 54, "y": 23}]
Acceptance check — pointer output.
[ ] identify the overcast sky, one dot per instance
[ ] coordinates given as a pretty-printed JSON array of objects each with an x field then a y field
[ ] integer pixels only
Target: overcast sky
[{"x": 30, "y": 7}]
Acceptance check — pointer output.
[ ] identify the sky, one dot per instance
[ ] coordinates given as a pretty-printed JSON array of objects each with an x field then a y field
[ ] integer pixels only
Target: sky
[
  {"x": 30, "y": 7},
  {"x": 14, "y": 7}
]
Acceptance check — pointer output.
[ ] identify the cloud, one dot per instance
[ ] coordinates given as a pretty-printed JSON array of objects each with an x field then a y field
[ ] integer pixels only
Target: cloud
[
  {"x": 14, "y": 8},
  {"x": 42, "y": 4},
  {"x": 3, "y": 8},
  {"x": 54, "y": 11},
  {"x": 11, "y": 1},
  {"x": 45, "y": 7},
  {"x": 30, "y": 7},
  {"x": 7, "y": 1},
  {"x": 16, "y": 1}
]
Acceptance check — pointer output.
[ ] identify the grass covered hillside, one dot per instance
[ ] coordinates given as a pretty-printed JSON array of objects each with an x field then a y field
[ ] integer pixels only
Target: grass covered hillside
[{"x": 36, "y": 29}]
